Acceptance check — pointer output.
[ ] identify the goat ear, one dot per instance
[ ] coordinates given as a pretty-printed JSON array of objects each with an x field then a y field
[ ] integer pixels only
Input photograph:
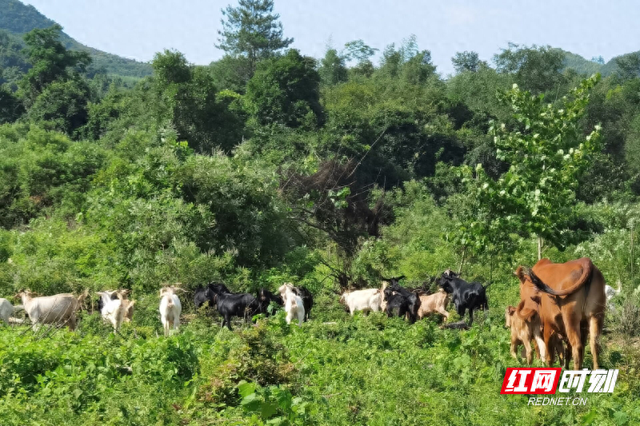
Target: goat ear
[
  {"x": 520, "y": 273},
  {"x": 512, "y": 310}
]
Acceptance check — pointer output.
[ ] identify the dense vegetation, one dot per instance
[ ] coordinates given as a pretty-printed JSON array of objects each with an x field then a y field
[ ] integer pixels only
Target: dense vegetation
[{"x": 270, "y": 166}]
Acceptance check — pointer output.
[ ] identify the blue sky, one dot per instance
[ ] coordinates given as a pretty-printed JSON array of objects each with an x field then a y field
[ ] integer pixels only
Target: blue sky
[{"x": 139, "y": 28}]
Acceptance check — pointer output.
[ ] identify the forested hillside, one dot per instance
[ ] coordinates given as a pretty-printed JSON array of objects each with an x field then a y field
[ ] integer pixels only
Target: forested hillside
[
  {"x": 269, "y": 166},
  {"x": 17, "y": 19}
]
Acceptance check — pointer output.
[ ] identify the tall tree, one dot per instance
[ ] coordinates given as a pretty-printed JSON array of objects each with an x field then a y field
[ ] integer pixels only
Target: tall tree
[
  {"x": 253, "y": 31},
  {"x": 467, "y": 61},
  {"x": 285, "y": 91},
  {"x": 546, "y": 154},
  {"x": 332, "y": 68},
  {"x": 50, "y": 61},
  {"x": 538, "y": 69}
]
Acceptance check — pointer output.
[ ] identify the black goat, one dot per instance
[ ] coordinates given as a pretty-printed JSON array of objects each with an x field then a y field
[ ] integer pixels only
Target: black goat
[
  {"x": 241, "y": 305},
  {"x": 205, "y": 294},
  {"x": 265, "y": 297},
  {"x": 413, "y": 299},
  {"x": 396, "y": 303},
  {"x": 465, "y": 296}
]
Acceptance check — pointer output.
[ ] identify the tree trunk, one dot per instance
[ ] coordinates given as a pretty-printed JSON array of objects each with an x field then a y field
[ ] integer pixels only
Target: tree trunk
[
  {"x": 464, "y": 252},
  {"x": 631, "y": 249},
  {"x": 540, "y": 243}
]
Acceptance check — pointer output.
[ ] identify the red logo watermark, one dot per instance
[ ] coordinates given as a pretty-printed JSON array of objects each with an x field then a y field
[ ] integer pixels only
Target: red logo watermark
[{"x": 537, "y": 381}]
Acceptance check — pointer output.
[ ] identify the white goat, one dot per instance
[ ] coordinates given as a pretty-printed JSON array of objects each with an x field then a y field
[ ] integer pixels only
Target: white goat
[
  {"x": 170, "y": 309},
  {"x": 113, "y": 310},
  {"x": 610, "y": 293},
  {"x": 368, "y": 300},
  {"x": 293, "y": 304},
  {"x": 58, "y": 309},
  {"x": 6, "y": 310}
]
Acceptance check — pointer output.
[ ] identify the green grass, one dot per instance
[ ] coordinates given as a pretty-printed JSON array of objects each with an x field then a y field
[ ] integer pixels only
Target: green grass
[{"x": 359, "y": 371}]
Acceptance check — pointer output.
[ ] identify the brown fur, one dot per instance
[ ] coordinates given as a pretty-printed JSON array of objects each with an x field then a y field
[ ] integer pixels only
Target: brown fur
[
  {"x": 434, "y": 303},
  {"x": 521, "y": 330},
  {"x": 576, "y": 310}
]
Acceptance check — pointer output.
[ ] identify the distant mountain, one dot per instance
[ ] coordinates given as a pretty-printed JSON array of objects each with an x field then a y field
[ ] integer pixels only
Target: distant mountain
[
  {"x": 17, "y": 18},
  {"x": 584, "y": 66}
]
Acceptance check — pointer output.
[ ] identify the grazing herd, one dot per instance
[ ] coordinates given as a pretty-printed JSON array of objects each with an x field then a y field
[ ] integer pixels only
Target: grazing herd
[{"x": 561, "y": 304}]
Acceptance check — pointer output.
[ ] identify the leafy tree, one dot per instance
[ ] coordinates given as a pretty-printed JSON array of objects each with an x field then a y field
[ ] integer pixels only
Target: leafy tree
[
  {"x": 537, "y": 69},
  {"x": 253, "y": 31},
  {"x": 63, "y": 103},
  {"x": 546, "y": 154},
  {"x": 10, "y": 106},
  {"x": 332, "y": 68},
  {"x": 50, "y": 61},
  {"x": 358, "y": 51},
  {"x": 467, "y": 61},
  {"x": 598, "y": 60},
  {"x": 285, "y": 91},
  {"x": 361, "y": 53},
  {"x": 188, "y": 101}
]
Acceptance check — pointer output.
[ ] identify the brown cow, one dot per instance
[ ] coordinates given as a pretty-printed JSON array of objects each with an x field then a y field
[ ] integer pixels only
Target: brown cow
[
  {"x": 571, "y": 304},
  {"x": 433, "y": 303}
]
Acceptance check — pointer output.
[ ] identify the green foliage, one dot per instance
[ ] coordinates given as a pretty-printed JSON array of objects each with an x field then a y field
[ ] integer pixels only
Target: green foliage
[
  {"x": 50, "y": 62},
  {"x": 251, "y": 30},
  {"x": 537, "y": 69},
  {"x": 285, "y": 91},
  {"x": 467, "y": 61},
  {"x": 64, "y": 104},
  {"x": 332, "y": 68},
  {"x": 545, "y": 153}
]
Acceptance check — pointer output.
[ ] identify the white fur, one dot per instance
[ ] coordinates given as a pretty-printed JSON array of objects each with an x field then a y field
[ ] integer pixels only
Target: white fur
[
  {"x": 362, "y": 300},
  {"x": 170, "y": 310}
]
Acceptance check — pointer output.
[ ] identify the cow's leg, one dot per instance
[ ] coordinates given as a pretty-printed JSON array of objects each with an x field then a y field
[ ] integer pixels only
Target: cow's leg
[
  {"x": 470, "y": 317},
  {"x": 572, "y": 328},
  {"x": 541, "y": 348},
  {"x": 595, "y": 328},
  {"x": 548, "y": 338},
  {"x": 527, "y": 348},
  {"x": 514, "y": 346}
]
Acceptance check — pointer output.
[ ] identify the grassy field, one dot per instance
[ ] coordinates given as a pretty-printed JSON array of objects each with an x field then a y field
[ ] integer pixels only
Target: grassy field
[{"x": 335, "y": 370}]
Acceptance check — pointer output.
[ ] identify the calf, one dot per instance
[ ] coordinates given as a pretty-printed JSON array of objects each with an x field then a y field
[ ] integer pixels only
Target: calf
[
  {"x": 265, "y": 297},
  {"x": 465, "y": 296},
  {"x": 170, "y": 309},
  {"x": 433, "y": 303},
  {"x": 241, "y": 305},
  {"x": 522, "y": 330},
  {"x": 293, "y": 304},
  {"x": 368, "y": 300}
]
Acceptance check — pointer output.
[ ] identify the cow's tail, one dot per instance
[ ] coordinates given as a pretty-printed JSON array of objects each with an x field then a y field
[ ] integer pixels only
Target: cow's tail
[{"x": 585, "y": 278}]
